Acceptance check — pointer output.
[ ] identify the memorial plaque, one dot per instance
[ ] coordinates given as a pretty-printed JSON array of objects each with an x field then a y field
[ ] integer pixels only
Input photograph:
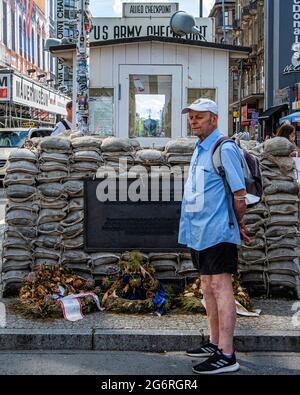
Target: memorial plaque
[{"x": 120, "y": 224}]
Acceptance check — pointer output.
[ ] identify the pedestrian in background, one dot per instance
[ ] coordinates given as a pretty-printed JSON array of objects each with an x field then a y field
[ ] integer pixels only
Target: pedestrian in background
[
  {"x": 205, "y": 228},
  {"x": 289, "y": 132},
  {"x": 65, "y": 125}
]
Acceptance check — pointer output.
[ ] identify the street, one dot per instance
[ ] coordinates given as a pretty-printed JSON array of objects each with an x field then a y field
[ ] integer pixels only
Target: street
[{"x": 135, "y": 363}]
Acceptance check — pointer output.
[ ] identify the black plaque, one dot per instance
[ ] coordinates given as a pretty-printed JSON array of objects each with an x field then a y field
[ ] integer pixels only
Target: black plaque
[{"x": 126, "y": 225}]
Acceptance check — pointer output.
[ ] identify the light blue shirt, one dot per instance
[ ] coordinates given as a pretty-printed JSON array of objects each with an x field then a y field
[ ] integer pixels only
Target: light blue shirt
[{"x": 204, "y": 215}]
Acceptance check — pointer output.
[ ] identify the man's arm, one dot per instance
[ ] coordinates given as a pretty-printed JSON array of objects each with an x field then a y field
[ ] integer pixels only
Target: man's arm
[{"x": 240, "y": 208}]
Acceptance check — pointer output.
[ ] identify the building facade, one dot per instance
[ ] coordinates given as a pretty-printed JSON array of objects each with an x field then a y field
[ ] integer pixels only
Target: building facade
[
  {"x": 224, "y": 14},
  {"x": 247, "y": 77},
  {"x": 25, "y": 26}
]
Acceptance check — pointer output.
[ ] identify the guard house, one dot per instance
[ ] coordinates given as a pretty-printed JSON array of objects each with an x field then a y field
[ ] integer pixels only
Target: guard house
[{"x": 141, "y": 77}]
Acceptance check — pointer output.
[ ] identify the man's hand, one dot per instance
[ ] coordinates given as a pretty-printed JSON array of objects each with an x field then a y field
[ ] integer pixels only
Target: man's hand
[{"x": 244, "y": 233}]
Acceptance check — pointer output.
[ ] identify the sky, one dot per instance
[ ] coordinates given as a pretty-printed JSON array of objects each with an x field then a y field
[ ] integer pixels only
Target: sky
[{"x": 113, "y": 8}]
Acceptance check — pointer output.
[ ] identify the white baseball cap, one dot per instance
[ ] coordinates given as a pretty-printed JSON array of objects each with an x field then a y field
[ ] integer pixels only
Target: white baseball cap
[{"x": 202, "y": 105}]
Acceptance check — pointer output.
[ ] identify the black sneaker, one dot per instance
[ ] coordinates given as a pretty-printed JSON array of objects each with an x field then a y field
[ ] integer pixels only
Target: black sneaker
[
  {"x": 205, "y": 351},
  {"x": 217, "y": 363}
]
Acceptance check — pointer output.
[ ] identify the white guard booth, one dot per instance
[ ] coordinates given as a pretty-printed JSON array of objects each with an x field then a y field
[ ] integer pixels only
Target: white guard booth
[{"x": 138, "y": 85}]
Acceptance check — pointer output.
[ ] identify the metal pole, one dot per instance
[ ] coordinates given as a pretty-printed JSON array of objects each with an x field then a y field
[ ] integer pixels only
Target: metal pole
[
  {"x": 224, "y": 28},
  {"x": 201, "y": 8},
  {"x": 241, "y": 93},
  {"x": 82, "y": 66}
]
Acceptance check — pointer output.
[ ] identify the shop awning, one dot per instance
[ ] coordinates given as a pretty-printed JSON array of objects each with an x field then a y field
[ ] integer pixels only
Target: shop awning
[
  {"x": 272, "y": 111},
  {"x": 293, "y": 118}
]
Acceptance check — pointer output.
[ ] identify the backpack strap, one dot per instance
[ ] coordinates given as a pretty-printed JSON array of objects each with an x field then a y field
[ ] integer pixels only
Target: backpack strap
[
  {"x": 219, "y": 168},
  {"x": 65, "y": 124}
]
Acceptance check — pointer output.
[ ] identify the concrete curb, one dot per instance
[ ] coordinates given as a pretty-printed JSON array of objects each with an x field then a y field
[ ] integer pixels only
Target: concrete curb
[{"x": 140, "y": 340}]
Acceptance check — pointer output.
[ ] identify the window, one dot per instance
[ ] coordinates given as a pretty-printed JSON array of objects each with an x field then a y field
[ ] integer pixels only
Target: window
[
  {"x": 25, "y": 41},
  {"x": 32, "y": 46},
  {"x": 194, "y": 94},
  {"x": 13, "y": 30},
  {"x": 39, "y": 50},
  {"x": 101, "y": 106},
  {"x": 20, "y": 36},
  {"x": 4, "y": 30},
  {"x": 150, "y": 105}
]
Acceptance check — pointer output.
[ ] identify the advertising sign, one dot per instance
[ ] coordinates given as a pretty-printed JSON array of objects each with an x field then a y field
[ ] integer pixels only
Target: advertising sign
[
  {"x": 4, "y": 87},
  {"x": 116, "y": 28},
  {"x": 137, "y": 10},
  {"x": 28, "y": 93},
  {"x": 60, "y": 23}
]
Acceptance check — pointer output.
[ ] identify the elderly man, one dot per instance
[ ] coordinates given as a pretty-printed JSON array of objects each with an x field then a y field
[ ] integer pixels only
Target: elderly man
[{"x": 205, "y": 229}]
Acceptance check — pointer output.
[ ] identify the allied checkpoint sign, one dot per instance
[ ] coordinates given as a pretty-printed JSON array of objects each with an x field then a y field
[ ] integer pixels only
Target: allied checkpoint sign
[{"x": 139, "y": 215}]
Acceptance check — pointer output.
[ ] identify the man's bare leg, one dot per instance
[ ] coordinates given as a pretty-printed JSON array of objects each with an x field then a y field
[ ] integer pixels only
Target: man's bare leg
[
  {"x": 223, "y": 293},
  {"x": 211, "y": 309}
]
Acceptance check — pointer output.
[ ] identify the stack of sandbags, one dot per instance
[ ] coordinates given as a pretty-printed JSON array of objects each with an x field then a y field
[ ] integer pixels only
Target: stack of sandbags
[
  {"x": 104, "y": 264},
  {"x": 54, "y": 162},
  {"x": 20, "y": 217},
  {"x": 281, "y": 197},
  {"x": 186, "y": 267},
  {"x": 86, "y": 157},
  {"x": 179, "y": 152},
  {"x": 165, "y": 265},
  {"x": 253, "y": 256},
  {"x": 118, "y": 152},
  {"x": 270, "y": 263},
  {"x": 72, "y": 226}
]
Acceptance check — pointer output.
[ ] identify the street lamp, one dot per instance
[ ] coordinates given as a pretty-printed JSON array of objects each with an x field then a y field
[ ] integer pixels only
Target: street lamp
[{"x": 182, "y": 24}]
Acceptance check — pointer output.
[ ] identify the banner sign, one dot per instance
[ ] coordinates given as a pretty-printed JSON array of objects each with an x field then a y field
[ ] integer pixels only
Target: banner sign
[
  {"x": 26, "y": 92},
  {"x": 60, "y": 25},
  {"x": 116, "y": 28},
  {"x": 137, "y": 10}
]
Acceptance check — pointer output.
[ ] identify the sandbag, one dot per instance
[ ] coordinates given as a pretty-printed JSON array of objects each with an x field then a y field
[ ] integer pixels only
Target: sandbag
[
  {"x": 48, "y": 241},
  {"x": 280, "y": 254},
  {"x": 150, "y": 155},
  {"x": 53, "y": 166},
  {"x": 48, "y": 215},
  {"x": 73, "y": 231},
  {"x": 22, "y": 154},
  {"x": 73, "y": 218},
  {"x": 281, "y": 198},
  {"x": 291, "y": 219},
  {"x": 52, "y": 190},
  {"x": 283, "y": 209},
  {"x": 20, "y": 191},
  {"x": 74, "y": 256},
  {"x": 21, "y": 218},
  {"x": 86, "y": 142},
  {"x": 180, "y": 145},
  {"x": 18, "y": 178},
  {"x": 16, "y": 254},
  {"x": 55, "y": 144},
  {"x": 87, "y": 156},
  {"x": 51, "y": 176},
  {"x": 71, "y": 244},
  {"x": 113, "y": 144},
  {"x": 278, "y": 146},
  {"x": 12, "y": 265},
  {"x": 21, "y": 231},
  {"x": 51, "y": 228},
  {"x": 15, "y": 242},
  {"x": 281, "y": 187},
  {"x": 276, "y": 231},
  {"x": 76, "y": 204},
  {"x": 289, "y": 268},
  {"x": 74, "y": 188},
  {"x": 54, "y": 157},
  {"x": 22, "y": 166},
  {"x": 104, "y": 258},
  {"x": 46, "y": 253}
]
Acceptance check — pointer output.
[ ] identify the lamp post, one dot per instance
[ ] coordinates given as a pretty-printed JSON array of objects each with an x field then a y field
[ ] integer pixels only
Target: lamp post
[
  {"x": 241, "y": 94},
  {"x": 182, "y": 24},
  {"x": 224, "y": 27}
]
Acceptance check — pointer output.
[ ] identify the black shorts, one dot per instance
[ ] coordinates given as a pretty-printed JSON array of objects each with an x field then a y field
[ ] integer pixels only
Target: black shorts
[{"x": 219, "y": 259}]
